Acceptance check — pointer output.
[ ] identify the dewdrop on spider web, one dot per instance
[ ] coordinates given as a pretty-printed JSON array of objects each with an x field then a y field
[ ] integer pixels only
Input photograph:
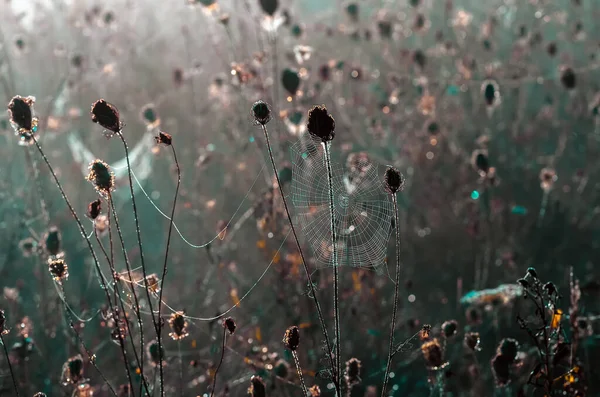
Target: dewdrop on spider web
[{"x": 23, "y": 120}]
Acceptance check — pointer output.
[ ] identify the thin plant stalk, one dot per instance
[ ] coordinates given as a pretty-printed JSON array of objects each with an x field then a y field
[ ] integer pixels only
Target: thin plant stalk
[
  {"x": 130, "y": 275},
  {"x": 122, "y": 307},
  {"x": 336, "y": 307},
  {"x": 90, "y": 356},
  {"x": 299, "y": 371},
  {"x": 81, "y": 229},
  {"x": 311, "y": 286},
  {"x": 10, "y": 368},
  {"x": 164, "y": 271},
  {"x": 142, "y": 263},
  {"x": 212, "y": 392},
  {"x": 388, "y": 368}
]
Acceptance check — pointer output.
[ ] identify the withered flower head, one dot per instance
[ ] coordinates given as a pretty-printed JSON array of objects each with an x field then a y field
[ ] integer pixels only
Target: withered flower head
[
  {"x": 449, "y": 328},
  {"x": 164, "y": 138},
  {"x": 153, "y": 283},
  {"x": 261, "y": 112},
  {"x": 321, "y": 124},
  {"x": 257, "y": 387},
  {"x": 501, "y": 369},
  {"x": 394, "y": 180},
  {"x": 315, "y": 391},
  {"x": 72, "y": 370},
  {"x": 178, "y": 325},
  {"x": 3, "y": 330},
  {"x": 229, "y": 324},
  {"x": 352, "y": 371},
  {"x": 509, "y": 348},
  {"x": 58, "y": 269},
  {"x": 291, "y": 338},
  {"x": 101, "y": 177},
  {"x": 107, "y": 115},
  {"x": 432, "y": 351},
  {"x": 52, "y": 241},
  {"x": 472, "y": 341},
  {"x": 94, "y": 209},
  {"x": 153, "y": 353},
  {"x": 22, "y": 118}
]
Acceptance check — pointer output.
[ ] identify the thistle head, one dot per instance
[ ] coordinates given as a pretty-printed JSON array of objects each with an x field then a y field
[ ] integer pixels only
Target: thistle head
[
  {"x": 58, "y": 269},
  {"x": 107, "y": 115},
  {"x": 394, "y": 180},
  {"x": 261, "y": 112},
  {"x": 291, "y": 338},
  {"x": 178, "y": 325}
]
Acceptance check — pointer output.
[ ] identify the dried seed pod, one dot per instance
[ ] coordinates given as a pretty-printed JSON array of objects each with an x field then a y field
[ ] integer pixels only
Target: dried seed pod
[
  {"x": 163, "y": 138},
  {"x": 101, "y": 177},
  {"x": 257, "y": 387},
  {"x": 433, "y": 354},
  {"x": 261, "y": 112},
  {"x": 230, "y": 325},
  {"x": 178, "y": 325},
  {"x": 394, "y": 180},
  {"x": 352, "y": 371},
  {"x": 58, "y": 269},
  {"x": 107, "y": 115},
  {"x": 22, "y": 118},
  {"x": 291, "y": 338},
  {"x": 290, "y": 81},
  {"x": 94, "y": 209},
  {"x": 321, "y": 124}
]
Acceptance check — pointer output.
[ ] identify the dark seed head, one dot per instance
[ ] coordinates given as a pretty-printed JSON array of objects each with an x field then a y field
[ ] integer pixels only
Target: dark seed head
[
  {"x": 509, "y": 348},
  {"x": 58, "y": 269},
  {"x": 261, "y": 112},
  {"x": 551, "y": 49},
  {"x": 501, "y": 369},
  {"x": 472, "y": 341},
  {"x": 568, "y": 78},
  {"x": 550, "y": 288},
  {"x": 449, "y": 328},
  {"x": 419, "y": 58},
  {"x": 352, "y": 371},
  {"x": 433, "y": 354},
  {"x": 290, "y": 81},
  {"x": 52, "y": 241},
  {"x": 106, "y": 115},
  {"x": 229, "y": 324},
  {"x": 269, "y": 6},
  {"x": 163, "y": 138},
  {"x": 480, "y": 161},
  {"x": 352, "y": 11},
  {"x": 321, "y": 124},
  {"x": 94, "y": 209},
  {"x": 178, "y": 325},
  {"x": 394, "y": 180},
  {"x": 21, "y": 113},
  {"x": 153, "y": 353},
  {"x": 257, "y": 387},
  {"x": 291, "y": 338},
  {"x": 101, "y": 177},
  {"x": 531, "y": 272},
  {"x": 72, "y": 371}
]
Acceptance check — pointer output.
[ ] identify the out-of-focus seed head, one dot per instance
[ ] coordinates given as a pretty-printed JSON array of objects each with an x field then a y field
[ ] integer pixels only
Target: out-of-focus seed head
[
  {"x": 291, "y": 338},
  {"x": 394, "y": 180},
  {"x": 480, "y": 162},
  {"x": 261, "y": 112},
  {"x": 257, "y": 387},
  {"x": 40, "y": 394},
  {"x": 508, "y": 348},
  {"x": 472, "y": 341},
  {"x": 282, "y": 369},
  {"x": 433, "y": 354},
  {"x": 321, "y": 124},
  {"x": 269, "y": 7},
  {"x": 52, "y": 241},
  {"x": 352, "y": 371},
  {"x": 229, "y": 324},
  {"x": 124, "y": 390},
  {"x": 94, "y": 208},
  {"x": 22, "y": 118},
  {"x": 107, "y": 115},
  {"x": 449, "y": 328},
  {"x": 178, "y": 325},
  {"x": 72, "y": 370},
  {"x": 3, "y": 330},
  {"x": 501, "y": 369},
  {"x": 153, "y": 283},
  {"x": 568, "y": 78},
  {"x": 352, "y": 10},
  {"x": 149, "y": 116},
  {"x": 28, "y": 247},
  {"x": 153, "y": 353},
  {"x": 315, "y": 391},
  {"x": 550, "y": 288},
  {"x": 101, "y": 177},
  {"x": 163, "y": 138},
  {"x": 83, "y": 390},
  {"x": 290, "y": 81},
  {"x": 101, "y": 224},
  {"x": 547, "y": 178},
  {"x": 58, "y": 269}
]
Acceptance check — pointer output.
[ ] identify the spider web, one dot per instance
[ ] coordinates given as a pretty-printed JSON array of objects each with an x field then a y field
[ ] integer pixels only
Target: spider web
[{"x": 363, "y": 210}]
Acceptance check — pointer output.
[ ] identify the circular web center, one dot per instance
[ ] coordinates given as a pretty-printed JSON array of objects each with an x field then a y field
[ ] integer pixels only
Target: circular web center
[{"x": 344, "y": 201}]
